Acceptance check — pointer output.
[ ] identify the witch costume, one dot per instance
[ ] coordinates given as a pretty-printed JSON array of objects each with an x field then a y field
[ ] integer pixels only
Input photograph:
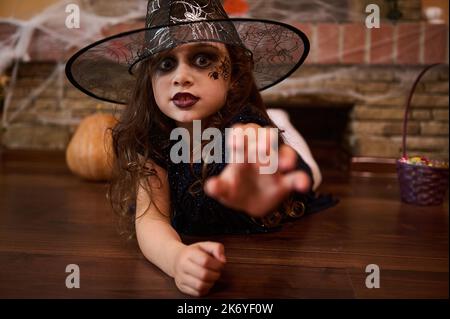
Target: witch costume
[{"x": 106, "y": 71}]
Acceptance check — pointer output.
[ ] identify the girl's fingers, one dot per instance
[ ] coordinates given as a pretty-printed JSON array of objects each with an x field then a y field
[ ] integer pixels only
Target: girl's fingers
[
  {"x": 236, "y": 144},
  {"x": 197, "y": 285},
  {"x": 189, "y": 290},
  {"x": 248, "y": 141},
  {"x": 206, "y": 260},
  {"x": 216, "y": 187},
  {"x": 296, "y": 181},
  {"x": 223, "y": 187},
  {"x": 211, "y": 187},
  {"x": 201, "y": 273},
  {"x": 212, "y": 248},
  {"x": 287, "y": 158}
]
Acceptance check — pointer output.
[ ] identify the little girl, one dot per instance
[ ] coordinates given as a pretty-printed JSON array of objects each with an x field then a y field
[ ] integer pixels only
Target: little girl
[{"x": 192, "y": 63}]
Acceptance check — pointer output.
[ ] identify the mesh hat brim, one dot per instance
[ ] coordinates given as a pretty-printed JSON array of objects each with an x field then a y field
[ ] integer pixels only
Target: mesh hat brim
[{"x": 104, "y": 69}]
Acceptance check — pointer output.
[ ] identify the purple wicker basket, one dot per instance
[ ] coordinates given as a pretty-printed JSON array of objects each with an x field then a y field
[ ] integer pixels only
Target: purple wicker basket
[{"x": 420, "y": 184}]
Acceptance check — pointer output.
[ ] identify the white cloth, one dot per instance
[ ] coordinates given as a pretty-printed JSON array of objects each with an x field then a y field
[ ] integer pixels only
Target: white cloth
[{"x": 294, "y": 139}]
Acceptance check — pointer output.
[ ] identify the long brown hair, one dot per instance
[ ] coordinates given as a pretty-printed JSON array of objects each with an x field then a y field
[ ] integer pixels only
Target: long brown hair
[{"x": 143, "y": 131}]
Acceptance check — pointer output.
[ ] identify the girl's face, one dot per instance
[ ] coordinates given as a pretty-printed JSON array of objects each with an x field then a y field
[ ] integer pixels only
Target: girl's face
[{"x": 191, "y": 81}]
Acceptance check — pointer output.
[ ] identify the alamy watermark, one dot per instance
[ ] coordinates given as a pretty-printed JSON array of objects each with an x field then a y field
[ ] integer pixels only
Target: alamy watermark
[
  {"x": 373, "y": 19},
  {"x": 262, "y": 146},
  {"x": 73, "y": 279},
  {"x": 373, "y": 280},
  {"x": 73, "y": 17}
]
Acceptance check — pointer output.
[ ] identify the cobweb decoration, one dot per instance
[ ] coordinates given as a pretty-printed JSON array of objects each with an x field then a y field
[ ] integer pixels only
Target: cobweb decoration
[
  {"x": 51, "y": 23},
  {"x": 14, "y": 48}
]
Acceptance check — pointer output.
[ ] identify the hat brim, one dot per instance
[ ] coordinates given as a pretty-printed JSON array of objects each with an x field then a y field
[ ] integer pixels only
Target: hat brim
[{"x": 103, "y": 69}]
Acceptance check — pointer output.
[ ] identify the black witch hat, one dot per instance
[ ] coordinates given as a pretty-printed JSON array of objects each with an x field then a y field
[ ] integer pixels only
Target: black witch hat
[{"x": 105, "y": 69}]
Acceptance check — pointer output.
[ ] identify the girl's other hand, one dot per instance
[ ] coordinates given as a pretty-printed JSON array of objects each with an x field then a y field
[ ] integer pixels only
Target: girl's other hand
[
  {"x": 241, "y": 186},
  {"x": 198, "y": 266}
]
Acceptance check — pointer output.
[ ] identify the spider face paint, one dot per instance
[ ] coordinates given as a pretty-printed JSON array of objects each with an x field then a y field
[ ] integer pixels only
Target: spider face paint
[
  {"x": 214, "y": 75},
  {"x": 222, "y": 69}
]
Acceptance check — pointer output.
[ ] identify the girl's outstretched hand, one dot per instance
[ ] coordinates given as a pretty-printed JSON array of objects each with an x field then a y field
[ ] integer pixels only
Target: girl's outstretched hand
[
  {"x": 198, "y": 266},
  {"x": 241, "y": 186}
]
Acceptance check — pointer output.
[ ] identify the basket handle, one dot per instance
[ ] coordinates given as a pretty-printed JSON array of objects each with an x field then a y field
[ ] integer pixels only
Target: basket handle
[{"x": 408, "y": 102}]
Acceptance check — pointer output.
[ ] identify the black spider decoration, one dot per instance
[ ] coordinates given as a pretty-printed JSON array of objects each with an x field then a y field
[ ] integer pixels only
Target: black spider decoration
[
  {"x": 214, "y": 75},
  {"x": 222, "y": 70}
]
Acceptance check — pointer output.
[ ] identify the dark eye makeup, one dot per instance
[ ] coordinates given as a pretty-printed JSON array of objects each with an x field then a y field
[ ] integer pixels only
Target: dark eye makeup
[
  {"x": 166, "y": 64},
  {"x": 202, "y": 59}
]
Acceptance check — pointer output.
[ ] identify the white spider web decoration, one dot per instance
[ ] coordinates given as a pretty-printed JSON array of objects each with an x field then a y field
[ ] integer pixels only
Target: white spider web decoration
[{"x": 51, "y": 22}]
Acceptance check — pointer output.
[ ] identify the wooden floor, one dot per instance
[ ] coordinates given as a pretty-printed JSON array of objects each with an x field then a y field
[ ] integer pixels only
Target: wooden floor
[{"x": 50, "y": 218}]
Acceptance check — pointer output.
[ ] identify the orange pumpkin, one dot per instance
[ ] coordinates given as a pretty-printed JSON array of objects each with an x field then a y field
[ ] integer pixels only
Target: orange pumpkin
[{"x": 89, "y": 153}]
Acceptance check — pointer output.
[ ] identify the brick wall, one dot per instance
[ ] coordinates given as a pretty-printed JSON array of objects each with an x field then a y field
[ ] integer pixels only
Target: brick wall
[{"x": 352, "y": 43}]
